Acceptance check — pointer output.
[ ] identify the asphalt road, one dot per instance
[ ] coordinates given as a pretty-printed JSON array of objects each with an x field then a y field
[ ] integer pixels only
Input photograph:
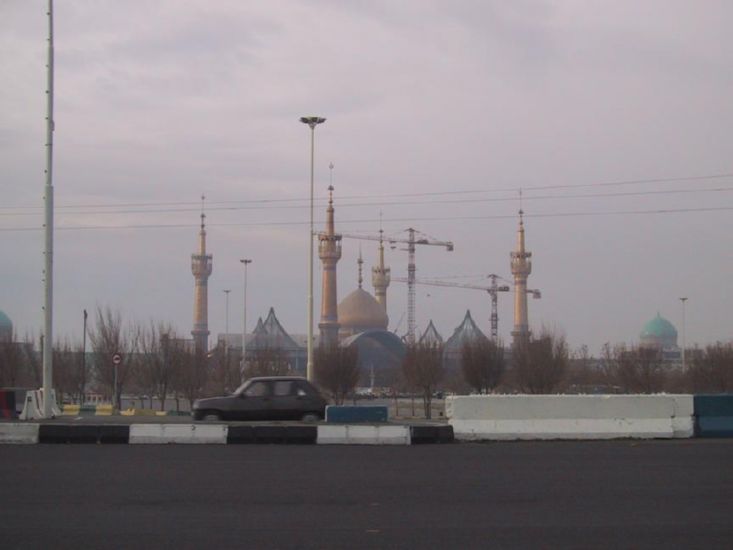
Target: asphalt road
[{"x": 649, "y": 494}]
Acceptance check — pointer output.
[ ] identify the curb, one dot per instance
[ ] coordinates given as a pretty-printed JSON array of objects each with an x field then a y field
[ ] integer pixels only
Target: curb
[{"x": 224, "y": 434}]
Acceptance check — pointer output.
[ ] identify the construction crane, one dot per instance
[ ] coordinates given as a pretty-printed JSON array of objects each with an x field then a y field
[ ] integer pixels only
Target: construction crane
[
  {"x": 493, "y": 291},
  {"x": 411, "y": 243}
]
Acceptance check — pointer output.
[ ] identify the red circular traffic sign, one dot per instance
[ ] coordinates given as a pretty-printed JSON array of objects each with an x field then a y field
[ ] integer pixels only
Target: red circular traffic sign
[{"x": 117, "y": 358}]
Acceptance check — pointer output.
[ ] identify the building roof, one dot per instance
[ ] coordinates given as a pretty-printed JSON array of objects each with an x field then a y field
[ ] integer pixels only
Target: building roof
[
  {"x": 659, "y": 332},
  {"x": 360, "y": 311},
  {"x": 5, "y": 322},
  {"x": 271, "y": 334},
  {"x": 659, "y": 327},
  {"x": 431, "y": 335},
  {"x": 467, "y": 331}
]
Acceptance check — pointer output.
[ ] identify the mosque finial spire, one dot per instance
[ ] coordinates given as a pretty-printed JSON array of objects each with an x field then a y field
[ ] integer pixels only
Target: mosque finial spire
[
  {"x": 329, "y": 251},
  {"x": 201, "y": 267},
  {"x": 521, "y": 268},
  {"x": 381, "y": 273}
]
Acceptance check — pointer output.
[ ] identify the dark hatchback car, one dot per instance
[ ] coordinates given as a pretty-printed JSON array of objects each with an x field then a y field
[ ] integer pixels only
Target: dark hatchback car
[{"x": 265, "y": 398}]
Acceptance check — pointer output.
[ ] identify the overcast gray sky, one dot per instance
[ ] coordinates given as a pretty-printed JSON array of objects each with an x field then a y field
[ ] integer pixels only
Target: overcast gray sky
[{"x": 438, "y": 112}]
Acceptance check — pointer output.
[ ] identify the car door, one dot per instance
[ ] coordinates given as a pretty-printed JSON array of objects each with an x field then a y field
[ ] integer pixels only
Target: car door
[
  {"x": 285, "y": 402},
  {"x": 254, "y": 403}
]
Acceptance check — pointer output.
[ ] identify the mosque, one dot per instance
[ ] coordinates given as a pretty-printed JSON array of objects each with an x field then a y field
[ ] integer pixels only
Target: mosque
[
  {"x": 660, "y": 334},
  {"x": 360, "y": 319}
]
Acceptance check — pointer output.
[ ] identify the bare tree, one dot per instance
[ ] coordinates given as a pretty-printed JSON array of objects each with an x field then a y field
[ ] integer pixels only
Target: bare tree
[
  {"x": 155, "y": 369},
  {"x": 191, "y": 371},
  {"x": 423, "y": 370},
  {"x": 268, "y": 362},
  {"x": 637, "y": 369},
  {"x": 108, "y": 338},
  {"x": 540, "y": 363},
  {"x": 712, "y": 370},
  {"x": 66, "y": 372},
  {"x": 337, "y": 370},
  {"x": 223, "y": 370},
  {"x": 482, "y": 364}
]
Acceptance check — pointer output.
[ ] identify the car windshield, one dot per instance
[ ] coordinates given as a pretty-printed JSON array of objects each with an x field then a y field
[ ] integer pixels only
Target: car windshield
[{"x": 241, "y": 388}]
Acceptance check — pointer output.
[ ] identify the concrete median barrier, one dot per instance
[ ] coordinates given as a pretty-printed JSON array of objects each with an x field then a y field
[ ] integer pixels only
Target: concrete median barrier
[
  {"x": 496, "y": 417},
  {"x": 351, "y": 414},
  {"x": 363, "y": 435},
  {"x": 431, "y": 434},
  {"x": 83, "y": 433},
  {"x": 714, "y": 415},
  {"x": 17, "y": 432},
  {"x": 178, "y": 433}
]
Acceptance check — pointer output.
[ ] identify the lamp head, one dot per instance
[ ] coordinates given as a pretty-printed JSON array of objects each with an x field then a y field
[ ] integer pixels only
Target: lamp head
[{"x": 312, "y": 121}]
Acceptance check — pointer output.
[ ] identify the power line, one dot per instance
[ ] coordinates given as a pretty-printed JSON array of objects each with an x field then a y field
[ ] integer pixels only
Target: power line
[
  {"x": 660, "y": 211},
  {"x": 213, "y": 204},
  {"x": 393, "y": 203}
]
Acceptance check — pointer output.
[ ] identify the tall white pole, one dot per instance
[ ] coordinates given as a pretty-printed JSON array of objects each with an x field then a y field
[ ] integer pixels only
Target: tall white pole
[
  {"x": 226, "y": 324},
  {"x": 312, "y": 122},
  {"x": 48, "y": 255},
  {"x": 684, "y": 338},
  {"x": 242, "y": 366},
  {"x": 309, "y": 364}
]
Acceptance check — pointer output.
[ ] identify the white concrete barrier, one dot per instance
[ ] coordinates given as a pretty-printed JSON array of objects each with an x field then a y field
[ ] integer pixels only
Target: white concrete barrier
[
  {"x": 569, "y": 416},
  {"x": 178, "y": 433},
  {"x": 363, "y": 435},
  {"x": 683, "y": 421},
  {"x": 16, "y": 432}
]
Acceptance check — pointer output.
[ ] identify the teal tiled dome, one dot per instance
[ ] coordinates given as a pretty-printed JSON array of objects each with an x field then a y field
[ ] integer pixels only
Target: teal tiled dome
[
  {"x": 659, "y": 332},
  {"x": 6, "y": 327}
]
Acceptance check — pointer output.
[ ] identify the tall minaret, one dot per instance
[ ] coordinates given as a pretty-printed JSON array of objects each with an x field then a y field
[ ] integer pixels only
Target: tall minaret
[
  {"x": 201, "y": 268},
  {"x": 380, "y": 275},
  {"x": 521, "y": 268},
  {"x": 329, "y": 251}
]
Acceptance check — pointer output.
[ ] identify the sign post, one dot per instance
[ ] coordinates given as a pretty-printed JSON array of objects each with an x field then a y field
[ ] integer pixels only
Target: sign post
[{"x": 116, "y": 360}]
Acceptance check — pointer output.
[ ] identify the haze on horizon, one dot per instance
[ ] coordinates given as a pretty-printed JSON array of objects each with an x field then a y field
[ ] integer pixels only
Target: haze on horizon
[{"x": 613, "y": 117}]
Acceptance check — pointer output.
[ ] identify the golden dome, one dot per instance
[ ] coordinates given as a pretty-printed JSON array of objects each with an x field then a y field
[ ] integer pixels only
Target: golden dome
[{"x": 359, "y": 311}]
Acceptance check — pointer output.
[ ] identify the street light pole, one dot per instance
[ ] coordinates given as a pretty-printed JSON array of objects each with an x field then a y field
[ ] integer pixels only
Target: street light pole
[
  {"x": 47, "y": 351},
  {"x": 245, "y": 262},
  {"x": 226, "y": 326},
  {"x": 684, "y": 339},
  {"x": 312, "y": 122}
]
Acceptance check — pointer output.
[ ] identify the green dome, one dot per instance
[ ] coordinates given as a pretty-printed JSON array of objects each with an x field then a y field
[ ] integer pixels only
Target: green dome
[
  {"x": 6, "y": 327},
  {"x": 659, "y": 331},
  {"x": 5, "y": 321}
]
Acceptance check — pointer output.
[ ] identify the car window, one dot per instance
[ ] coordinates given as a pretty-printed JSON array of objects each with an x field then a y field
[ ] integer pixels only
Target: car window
[
  {"x": 256, "y": 389},
  {"x": 305, "y": 389},
  {"x": 283, "y": 387}
]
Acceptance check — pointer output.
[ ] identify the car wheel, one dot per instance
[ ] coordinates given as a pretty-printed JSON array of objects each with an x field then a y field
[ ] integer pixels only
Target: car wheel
[
  {"x": 310, "y": 417},
  {"x": 211, "y": 416}
]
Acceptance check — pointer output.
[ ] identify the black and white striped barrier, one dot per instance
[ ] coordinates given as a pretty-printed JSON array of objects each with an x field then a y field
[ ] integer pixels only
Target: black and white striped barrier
[{"x": 221, "y": 434}]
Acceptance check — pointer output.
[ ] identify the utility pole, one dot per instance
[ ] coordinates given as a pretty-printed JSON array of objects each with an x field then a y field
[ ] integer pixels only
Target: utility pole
[
  {"x": 684, "y": 342},
  {"x": 244, "y": 262}
]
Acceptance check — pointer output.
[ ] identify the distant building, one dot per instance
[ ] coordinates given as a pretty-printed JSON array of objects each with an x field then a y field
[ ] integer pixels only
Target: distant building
[
  {"x": 269, "y": 335},
  {"x": 6, "y": 328},
  {"x": 660, "y": 334},
  {"x": 464, "y": 333}
]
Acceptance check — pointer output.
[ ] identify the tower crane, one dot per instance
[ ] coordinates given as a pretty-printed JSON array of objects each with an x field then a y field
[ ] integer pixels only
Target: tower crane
[
  {"x": 493, "y": 291},
  {"x": 411, "y": 241}
]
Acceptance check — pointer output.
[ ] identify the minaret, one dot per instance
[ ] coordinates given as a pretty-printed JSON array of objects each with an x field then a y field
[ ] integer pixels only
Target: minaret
[
  {"x": 201, "y": 268},
  {"x": 329, "y": 251},
  {"x": 380, "y": 275},
  {"x": 521, "y": 268},
  {"x": 359, "y": 266}
]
